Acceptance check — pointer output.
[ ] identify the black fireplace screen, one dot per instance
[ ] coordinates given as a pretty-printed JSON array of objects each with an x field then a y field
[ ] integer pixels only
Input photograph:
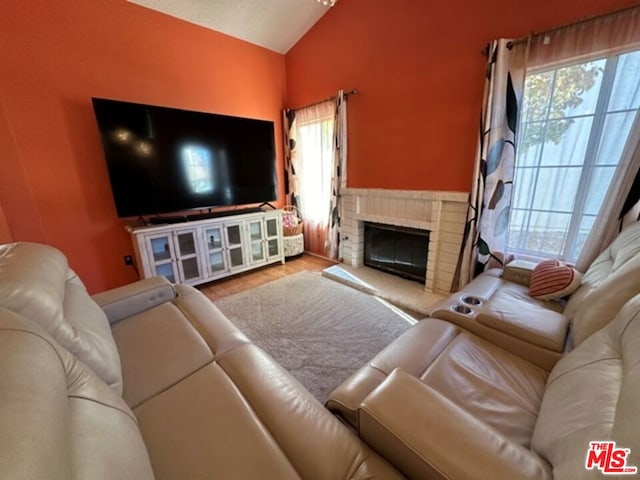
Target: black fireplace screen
[{"x": 399, "y": 250}]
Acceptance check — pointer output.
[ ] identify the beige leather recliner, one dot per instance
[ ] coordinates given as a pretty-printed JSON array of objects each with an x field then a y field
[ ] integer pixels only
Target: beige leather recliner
[
  {"x": 58, "y": 420},
  {"x": 445, "y": 403},
  {"x": 496, "y": 305}
]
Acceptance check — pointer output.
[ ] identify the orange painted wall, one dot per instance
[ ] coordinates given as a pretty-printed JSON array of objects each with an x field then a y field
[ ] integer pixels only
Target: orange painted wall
[
  {"x": 5, "y": 233},
  {"x": 54, "y": 56},
  {"x": 418, "y": 67}
]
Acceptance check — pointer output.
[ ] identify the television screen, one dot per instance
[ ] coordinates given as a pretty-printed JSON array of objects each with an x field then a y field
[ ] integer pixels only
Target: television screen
[{"x": 164, "y": 159}]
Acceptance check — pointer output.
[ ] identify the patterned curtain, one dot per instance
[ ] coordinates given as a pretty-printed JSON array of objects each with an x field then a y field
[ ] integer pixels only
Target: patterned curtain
[
  {"x": 339, "y": 175},
  {"x": 485, "y": 234},
  {"x": 291, "y": 189}
]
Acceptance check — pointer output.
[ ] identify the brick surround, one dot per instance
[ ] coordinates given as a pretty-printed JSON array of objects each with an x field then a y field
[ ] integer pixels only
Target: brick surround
[{"x": 443, "y": 213}]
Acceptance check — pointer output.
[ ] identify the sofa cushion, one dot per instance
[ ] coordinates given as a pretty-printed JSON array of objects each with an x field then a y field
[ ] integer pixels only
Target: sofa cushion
[
  {"x": 513, "y": 311},
  {"x": 609, "y": 282},
  {"x": 163, "y": 345},
  {"x": 500, "y": 388},
  {"x": 203, "y": 425},
  {"x": 58, "y": 419},
  {"x": 413, "y": 351},
  {"x": 593, "y": 395},
  {"x": 504, "y": 313},
  {"x": 36, "y": 282},
  {"x": 462, "y": 447},
  {"x": 551, "y": 280},
  {"x": 142, "y": 337}
]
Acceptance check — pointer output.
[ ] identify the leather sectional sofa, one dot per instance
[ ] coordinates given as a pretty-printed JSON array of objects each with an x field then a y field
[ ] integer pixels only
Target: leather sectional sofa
[
  {"x": 480, "y": 395},
  {"x": 150, "y": 380}
]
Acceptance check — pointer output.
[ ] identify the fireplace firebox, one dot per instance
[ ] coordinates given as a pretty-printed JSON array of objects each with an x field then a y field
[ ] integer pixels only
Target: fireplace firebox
[{"x": 399, "y": 250}]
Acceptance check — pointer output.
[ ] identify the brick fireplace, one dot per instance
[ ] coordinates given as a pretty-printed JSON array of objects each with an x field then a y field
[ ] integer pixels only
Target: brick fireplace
[{"x": 441, "y": 213}]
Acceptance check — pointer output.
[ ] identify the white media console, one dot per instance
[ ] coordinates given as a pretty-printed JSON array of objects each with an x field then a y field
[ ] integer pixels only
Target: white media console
[{"x": 204, "y": 250}]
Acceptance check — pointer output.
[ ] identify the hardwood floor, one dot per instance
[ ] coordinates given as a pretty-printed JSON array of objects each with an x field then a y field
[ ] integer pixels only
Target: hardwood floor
[{"x": 244, "y": 281}]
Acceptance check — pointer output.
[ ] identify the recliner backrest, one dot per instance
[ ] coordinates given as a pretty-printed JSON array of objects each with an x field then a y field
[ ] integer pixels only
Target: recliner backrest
[
  {"x": 37, "y": 283},
  {"x": 609, "y": 282},
  {"x": 59, "y": 421},
  {"x": 593, "y": 394}
]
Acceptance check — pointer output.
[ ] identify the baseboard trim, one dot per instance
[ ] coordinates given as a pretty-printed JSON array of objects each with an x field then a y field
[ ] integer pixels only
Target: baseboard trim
[{"x": 332, "y": 260}]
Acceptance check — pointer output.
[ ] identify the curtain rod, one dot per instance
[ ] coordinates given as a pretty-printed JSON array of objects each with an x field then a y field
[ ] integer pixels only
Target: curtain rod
[
  {"x": 485, "y": 52},
  {"x": 353, "y": 91}
]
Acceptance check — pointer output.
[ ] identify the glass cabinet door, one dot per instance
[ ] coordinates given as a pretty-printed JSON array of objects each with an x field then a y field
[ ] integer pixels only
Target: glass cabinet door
[
  {"x": 187, "y": 256},
  {"x": 160, "y": 249},
  {"x": 256, "y": 235},
  {"x": 216, "y": 260},
  {"x": 272, "y": 227},
  {"x": 235, "y": 252}
]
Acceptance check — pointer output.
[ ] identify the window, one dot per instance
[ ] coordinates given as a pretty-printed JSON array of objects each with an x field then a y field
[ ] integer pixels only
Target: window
[
  {"x": 316, "y": 151},
  {"x": 196, "y": 163},
  {"x": 574, "y": 126}
]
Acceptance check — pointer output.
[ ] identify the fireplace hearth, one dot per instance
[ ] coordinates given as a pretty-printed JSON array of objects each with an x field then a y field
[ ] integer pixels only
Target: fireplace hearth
[{"x": 395, "y": 249}]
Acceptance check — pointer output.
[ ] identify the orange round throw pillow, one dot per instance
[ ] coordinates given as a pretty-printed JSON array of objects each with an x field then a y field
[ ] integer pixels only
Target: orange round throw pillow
[{"x": 551, "y": 280}]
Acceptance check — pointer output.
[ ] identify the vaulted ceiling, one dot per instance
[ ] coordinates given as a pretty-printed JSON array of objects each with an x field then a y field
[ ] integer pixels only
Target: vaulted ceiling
[{"x": 273, "y": 24}]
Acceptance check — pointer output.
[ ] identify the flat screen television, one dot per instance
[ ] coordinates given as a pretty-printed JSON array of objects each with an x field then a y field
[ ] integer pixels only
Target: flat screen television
[{"x": 164, "y": 160}]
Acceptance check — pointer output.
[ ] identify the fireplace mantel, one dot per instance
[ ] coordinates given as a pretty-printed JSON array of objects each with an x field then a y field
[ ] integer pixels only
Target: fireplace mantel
[{"x": 443, "y": 213}]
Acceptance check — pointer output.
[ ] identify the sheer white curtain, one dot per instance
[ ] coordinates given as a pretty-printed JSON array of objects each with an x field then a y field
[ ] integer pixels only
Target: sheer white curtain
[
  {"x": 315, "y": 146},
  {"x": 608, "y": 221}
]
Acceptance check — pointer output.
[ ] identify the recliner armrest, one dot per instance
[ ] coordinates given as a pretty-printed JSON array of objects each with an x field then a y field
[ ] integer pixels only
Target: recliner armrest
[
  {"x": 425, "y": 435},
  {"x": 123, "y": 302},
  {"x": 519, "y": 271}
]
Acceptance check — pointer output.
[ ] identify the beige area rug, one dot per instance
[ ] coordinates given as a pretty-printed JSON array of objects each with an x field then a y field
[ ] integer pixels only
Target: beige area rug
[{"x": 319, "y": 330}]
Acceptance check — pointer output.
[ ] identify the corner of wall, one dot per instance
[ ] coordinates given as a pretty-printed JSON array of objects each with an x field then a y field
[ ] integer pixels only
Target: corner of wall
[{"x": 5, "y": 233}]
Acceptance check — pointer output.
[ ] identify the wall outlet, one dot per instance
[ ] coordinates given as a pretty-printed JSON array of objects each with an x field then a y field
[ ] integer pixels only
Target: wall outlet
[{"x": 128, "y": 260}]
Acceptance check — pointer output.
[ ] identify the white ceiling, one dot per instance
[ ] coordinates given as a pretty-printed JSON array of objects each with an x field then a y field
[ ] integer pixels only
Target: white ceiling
[{"x": 273, "y": 24}]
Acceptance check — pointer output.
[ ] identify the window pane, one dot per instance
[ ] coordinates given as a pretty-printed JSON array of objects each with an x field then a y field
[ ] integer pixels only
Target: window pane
[
  {"x": 547, "y": 233},
  {"x": 556, "y": 188},
  {"x": 566, "y": 141},
  {"x": 525, "y": 180},
  {"x": 615, "y": 132},
  {"x": 626, "y": 86},
  {"x": 597, "y": 189},
  {"x": 315, "y": 159},
  {"x": 530, "y": 143},
  {"x": 576, "y": 89},
  {"x": 537, "y": 92},
  {"x": 517, "y": 228},
  {"x": 586, "y": 224}
]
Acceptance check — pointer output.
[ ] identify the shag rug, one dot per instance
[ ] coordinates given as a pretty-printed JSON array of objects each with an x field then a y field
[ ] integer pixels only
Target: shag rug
[{"x": 319, "y": 330}]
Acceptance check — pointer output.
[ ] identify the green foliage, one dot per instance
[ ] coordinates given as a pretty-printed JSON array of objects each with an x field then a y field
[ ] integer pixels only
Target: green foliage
[{"x": 569, "y": 84}]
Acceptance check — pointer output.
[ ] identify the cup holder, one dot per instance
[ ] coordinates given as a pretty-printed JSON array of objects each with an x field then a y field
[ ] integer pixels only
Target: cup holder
[
  {"x": 469, "y": 300},
  {"x": 461, "y": 309}
]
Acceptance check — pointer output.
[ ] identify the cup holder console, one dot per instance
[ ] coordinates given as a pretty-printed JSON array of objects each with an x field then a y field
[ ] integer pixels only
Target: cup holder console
[
  {"x": 469, "y": 300},
  {"x": 461, "y": 309}
]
